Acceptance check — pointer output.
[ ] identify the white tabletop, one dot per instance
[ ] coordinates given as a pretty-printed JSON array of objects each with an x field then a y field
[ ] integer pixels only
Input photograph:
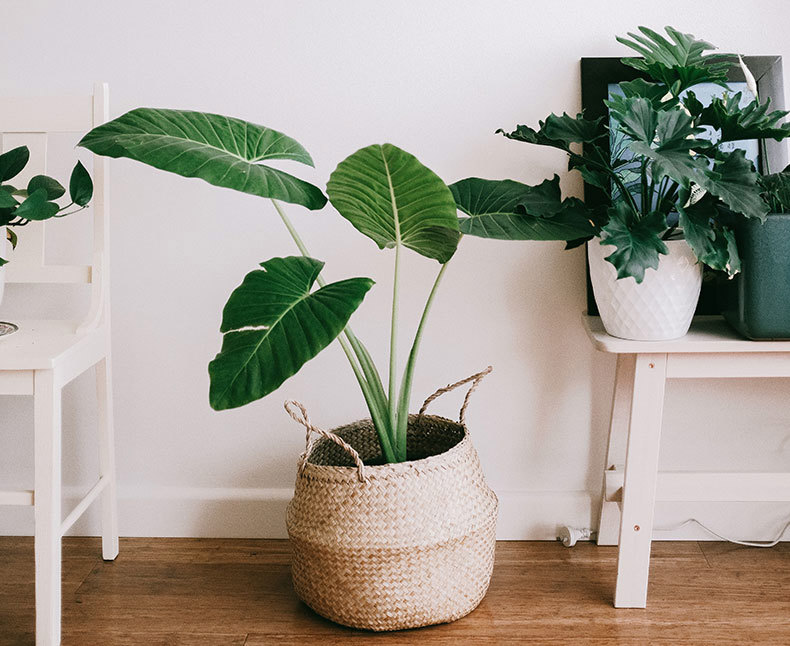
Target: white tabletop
[{"x": 707, "y": 334}]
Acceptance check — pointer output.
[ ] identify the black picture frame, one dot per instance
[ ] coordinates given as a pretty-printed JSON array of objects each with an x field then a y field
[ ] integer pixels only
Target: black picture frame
[{"x": 598, "y": 73}]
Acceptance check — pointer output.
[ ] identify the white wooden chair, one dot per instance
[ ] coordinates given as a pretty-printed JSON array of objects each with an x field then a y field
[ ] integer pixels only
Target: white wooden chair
[{"x": 43, "y": 356}]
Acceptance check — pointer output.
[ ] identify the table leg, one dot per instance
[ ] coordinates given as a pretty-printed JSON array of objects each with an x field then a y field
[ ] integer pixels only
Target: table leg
[
  {"x": 639, "y": 487},
  {"x": 609, "y": 522}
]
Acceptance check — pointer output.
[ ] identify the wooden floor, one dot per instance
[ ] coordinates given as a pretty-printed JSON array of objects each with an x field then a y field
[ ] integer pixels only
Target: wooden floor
[{"x": 234, "y": 592}]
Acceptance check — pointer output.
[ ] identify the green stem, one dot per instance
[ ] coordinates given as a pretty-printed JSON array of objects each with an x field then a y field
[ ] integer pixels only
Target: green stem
[
  {"x": 764, "y": 154},
  {"x": 408, "y": 373},
  {"x": 643, "y": 182},
  {"x": 393, "y": 394},
  {"x": 362, "y": 364}
]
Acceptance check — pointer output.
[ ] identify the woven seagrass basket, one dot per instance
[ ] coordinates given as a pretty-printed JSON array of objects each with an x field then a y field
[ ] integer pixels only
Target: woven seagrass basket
[{"x": 392, "y": 546}]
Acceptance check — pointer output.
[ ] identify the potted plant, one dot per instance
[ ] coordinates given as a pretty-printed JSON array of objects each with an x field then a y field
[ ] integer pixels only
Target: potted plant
[
  {"x": 676, "y": 186},
  {"x": 36, "y": 201},
  {"x": 392, "y": 524}
]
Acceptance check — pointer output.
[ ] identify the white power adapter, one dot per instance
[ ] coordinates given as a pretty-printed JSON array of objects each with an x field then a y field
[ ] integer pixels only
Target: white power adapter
[{"x": 569, "y": 536}]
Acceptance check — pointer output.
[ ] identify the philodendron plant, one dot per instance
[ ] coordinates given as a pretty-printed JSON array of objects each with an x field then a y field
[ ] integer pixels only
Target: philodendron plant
[
  {"x": 37, "y": 200},
  {"x": 666, "y": 163},
  {"x": 277, "y": 319}
]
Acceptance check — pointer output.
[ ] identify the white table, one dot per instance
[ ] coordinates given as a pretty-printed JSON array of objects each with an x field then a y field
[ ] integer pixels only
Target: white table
[{"x": 711, "y": 349}]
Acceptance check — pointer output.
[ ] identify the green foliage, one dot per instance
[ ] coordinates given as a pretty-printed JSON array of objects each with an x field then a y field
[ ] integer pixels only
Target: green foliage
[
  {"x": 508, "y": 210},
  {"x": 36, "y": 202},
  {"x": 679, "y": 62},
  {"x": 220, "y": 150},
  {"x": 752, "y": 121},
  {"x": 776, "y": 190},
  {"x": 80, "y": 185},
  {"x": 389, "y": 196},
  {"x": 273, "y": 324},
  {"x": 637, "y": 240},
  {"x": 659, "y": 152}
]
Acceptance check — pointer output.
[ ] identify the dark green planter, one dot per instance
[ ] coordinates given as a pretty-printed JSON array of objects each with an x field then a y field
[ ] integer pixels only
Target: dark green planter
[{"x": 758, "y": 299}]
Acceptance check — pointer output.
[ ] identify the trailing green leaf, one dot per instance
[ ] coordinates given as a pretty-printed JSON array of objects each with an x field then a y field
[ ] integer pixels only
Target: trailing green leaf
[
  {"x": 13, "y": 162},
  {"x": 389, "y": 196},
  {"x": 51, "y": 187},
  {"x": 80, "y": 185},
  {"x": 273, "y": 324},
  {"x": 36, "y": 207},
  {"x": 220, "y": 150}
]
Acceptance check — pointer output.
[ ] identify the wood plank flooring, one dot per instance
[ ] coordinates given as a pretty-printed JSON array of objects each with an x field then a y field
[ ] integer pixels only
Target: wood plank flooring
[{"x": 190, "y": 592}]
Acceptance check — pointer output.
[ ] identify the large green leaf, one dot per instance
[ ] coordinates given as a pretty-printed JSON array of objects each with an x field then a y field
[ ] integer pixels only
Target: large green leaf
[
  {"x": 670, "y": 151},
  {"x": 220, "y": 150},
  {"x": 635, "y": 116},
  {"x": 753, "y": 121},
  {"x": 508, "y": 210},
  {"x": 637, "y": 240},
  {"x": 679, "y": 62},
  {"x": 273, "y": 325},
  {"x": 50, "y": 185},
  {"x": 714, "y": 245},
  {"x": 559, "y": 131},
  {"x": 388, "y": 195},
  {"x": 734, "y": 180}
]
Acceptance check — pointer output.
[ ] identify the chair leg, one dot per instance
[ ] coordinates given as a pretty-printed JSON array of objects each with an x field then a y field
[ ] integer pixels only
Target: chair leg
[
  {"x": 609, "y": 523},
  {"x": 639, "y": 484},
  {"x": 47, "y": 423},
  {"x": 109, "y": 505}
]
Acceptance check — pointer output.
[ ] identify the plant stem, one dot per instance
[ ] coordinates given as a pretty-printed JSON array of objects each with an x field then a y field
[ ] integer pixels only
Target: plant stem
[
  {"x": 369, "y": 382},
  {"x": 408, "y": 373},
  {"x": 393, "y": 394},
  {"x": 645, "y": 197},
  {"x": 764, "y": 155}
]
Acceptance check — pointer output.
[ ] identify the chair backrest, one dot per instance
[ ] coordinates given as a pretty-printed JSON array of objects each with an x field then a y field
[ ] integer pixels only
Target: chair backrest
[{"x": 36, "y": 119}]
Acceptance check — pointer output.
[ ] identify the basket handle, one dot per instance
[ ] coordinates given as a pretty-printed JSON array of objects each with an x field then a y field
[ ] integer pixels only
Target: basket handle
[
  {"x": 475, "y": 379},
  {"x": 304, "y": 420}
]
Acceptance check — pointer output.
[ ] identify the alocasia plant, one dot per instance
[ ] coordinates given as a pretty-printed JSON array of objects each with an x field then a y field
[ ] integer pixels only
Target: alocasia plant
[
  {"x": 663, "y": 171},
  {"x": 37, "y": 200},
  {"x": 283, "y": 314}
]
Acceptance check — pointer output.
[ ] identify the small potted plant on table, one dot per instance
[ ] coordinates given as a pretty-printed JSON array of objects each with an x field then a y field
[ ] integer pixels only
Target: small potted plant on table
[{"x": 676, "y": 186}]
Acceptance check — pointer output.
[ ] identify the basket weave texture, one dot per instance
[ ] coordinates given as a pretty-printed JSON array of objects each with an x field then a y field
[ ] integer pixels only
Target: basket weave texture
[{"x": 411, "y": 545}]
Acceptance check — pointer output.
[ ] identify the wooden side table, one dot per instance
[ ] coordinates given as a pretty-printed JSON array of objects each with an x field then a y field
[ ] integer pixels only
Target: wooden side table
[{"x": 710, "y": 350}]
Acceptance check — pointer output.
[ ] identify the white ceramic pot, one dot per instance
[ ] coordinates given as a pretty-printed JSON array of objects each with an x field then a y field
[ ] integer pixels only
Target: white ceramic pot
[{"x": 658, "y": 308}]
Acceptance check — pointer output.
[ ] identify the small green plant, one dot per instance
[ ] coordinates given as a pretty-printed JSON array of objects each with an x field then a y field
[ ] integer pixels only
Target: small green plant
[
  {"x": 37, "y": 200},
  {"x": 664, "y": 163},
  {"x": 276, "y": 320}
]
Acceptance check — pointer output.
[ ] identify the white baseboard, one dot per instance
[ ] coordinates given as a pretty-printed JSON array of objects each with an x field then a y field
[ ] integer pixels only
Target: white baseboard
[{"x": 260, "y": 513}]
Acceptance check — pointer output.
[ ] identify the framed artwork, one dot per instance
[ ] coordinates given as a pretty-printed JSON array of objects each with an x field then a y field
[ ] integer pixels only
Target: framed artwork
[{"x": 599, "y": 79}]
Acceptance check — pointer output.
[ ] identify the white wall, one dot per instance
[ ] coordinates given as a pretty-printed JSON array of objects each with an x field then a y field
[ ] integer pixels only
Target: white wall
[{"x": 436, "y": 78}]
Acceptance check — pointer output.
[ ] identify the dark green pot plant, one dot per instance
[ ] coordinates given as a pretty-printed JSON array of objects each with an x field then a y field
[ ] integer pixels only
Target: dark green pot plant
[
  {"x": 386, "y": 507},
  {"x": 757, "y": 302},
  {"x": 676, "y": 186},
  {"x": 35, "y": 201}
]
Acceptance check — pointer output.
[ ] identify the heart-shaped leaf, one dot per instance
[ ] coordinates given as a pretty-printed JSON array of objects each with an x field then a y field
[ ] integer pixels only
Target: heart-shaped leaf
[
  {"x": 220, "y": 150},
  {"x": 13, "y": 162},
  {"x": 388, "y": 195},
  {"x": 7, "y": 200},
  {"x": 273, "y": 325},
  {"x": 51, "y": 186},
  {"x": 80, "y": 185},
  {"x": 36, "y": 207}
]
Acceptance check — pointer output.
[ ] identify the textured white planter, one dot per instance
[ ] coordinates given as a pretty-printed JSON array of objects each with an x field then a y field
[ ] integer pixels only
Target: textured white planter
[{"x": 658, "y": 308}]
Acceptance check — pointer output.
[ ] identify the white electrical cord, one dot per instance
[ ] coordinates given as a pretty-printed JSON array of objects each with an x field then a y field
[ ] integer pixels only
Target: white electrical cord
[{"x": 724, "y": 538}]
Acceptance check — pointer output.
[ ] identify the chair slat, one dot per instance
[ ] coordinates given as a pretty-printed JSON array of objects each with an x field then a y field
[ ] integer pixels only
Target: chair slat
[{"x": 47, "y": 114}]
